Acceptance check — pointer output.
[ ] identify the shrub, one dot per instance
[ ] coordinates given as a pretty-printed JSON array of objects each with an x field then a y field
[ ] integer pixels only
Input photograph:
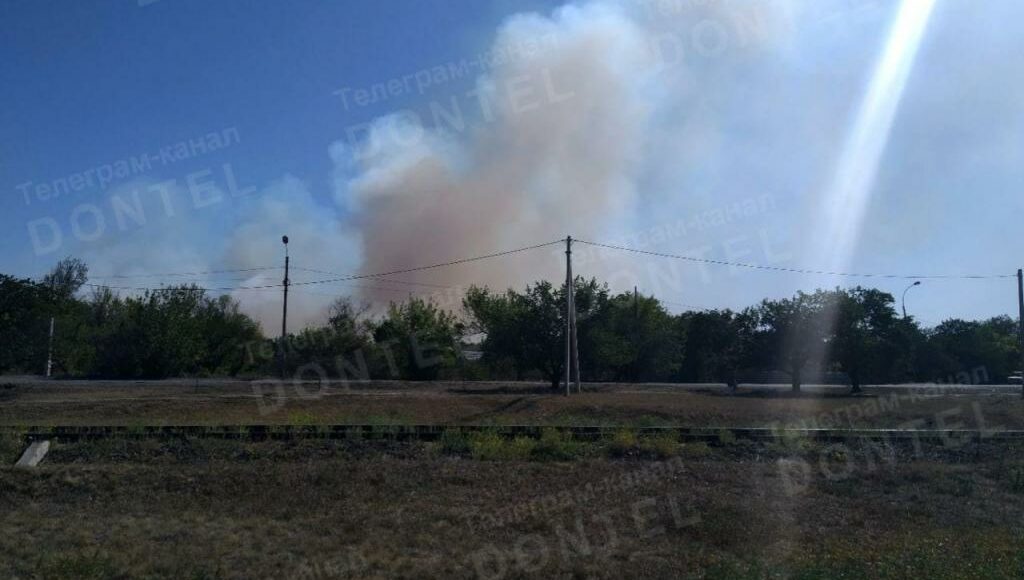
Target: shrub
[
  {"x": 726, "y": 437},
  {"x": 624, "y": 442},
  {"x": 490, "y": 446},
  {"x": 556, "y": 446},
  {"x": 486, "y": 446},
  {"x": 661, "y": 446},
  {"x": 696, "y": 450},
  {"x": 11, "y": 446},
  {"x": 454, "y": 442}
]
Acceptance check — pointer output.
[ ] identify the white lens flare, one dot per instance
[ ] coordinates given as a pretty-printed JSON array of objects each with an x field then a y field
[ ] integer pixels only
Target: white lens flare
[{"x": 846, "y": 201}]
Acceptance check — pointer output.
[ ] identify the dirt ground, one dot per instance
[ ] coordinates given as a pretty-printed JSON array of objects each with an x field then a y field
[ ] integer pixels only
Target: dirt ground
[
  {"x": 211, "y": 402},
  {"x": 216, "y": 509},
  {"x": 497, "y": 509}
]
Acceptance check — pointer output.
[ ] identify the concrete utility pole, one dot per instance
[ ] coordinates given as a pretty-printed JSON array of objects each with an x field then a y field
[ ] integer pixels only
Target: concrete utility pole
[
  {"x": 1020, "y": 320},
  {"x": 49, "y": 351},
  {"x": 575, "y": 343},
  {"x": 284, "y": 313},
  {"x": 572, "y": 353},
  {"x": 568, "y": 313},
  {"x": 636, "y": 303}
]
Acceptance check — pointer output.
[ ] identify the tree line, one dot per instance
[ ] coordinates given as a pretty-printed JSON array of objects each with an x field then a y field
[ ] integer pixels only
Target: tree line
[{"x": 517, "y": 334}]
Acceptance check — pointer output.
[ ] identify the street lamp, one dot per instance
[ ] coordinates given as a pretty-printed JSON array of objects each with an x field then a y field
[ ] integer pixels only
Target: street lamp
[
  {"x": 904, "y": 299},
  {"x": 284, "y": 311}
]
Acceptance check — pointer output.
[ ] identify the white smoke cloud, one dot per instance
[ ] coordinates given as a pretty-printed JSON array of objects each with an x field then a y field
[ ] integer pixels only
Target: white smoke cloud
[
  {"x": 564, "y": 140},
  {"x": 554, "y": 151}
]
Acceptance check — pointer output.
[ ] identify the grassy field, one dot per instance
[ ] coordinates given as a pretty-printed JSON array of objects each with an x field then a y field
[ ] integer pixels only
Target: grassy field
[
  {"x": 480, "y": 506},
  {"x": 484, "y": 509},
  {"x": 232, "y": 402}
]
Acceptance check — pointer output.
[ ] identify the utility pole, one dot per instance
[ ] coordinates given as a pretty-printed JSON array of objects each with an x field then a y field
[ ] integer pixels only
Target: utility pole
[
  {"x": 1020, "y": 314},
  {"x": 568, "y": 313},
  {"x": 572, "y": 353},
  {"x": 634, "y": 368},
  {"x": 575, "y": 343},
  {"x": 49, "y": 351},
  {"x": 636, "y": 304},
  {"x": 284, "y": 313}
]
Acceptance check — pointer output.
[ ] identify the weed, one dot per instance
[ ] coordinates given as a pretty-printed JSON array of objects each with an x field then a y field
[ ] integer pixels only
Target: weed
[
  {"x": 490, "y": 446},
  {"x": 696, "y": 450},
  {"x": 624, "y": 442},
  {"x": 453, "y": 442},
  {"x": 660, "y": 446},
  {"x": 11, "y": 445},
  {"x": 555, "y": 445},
  {"x": 301, "y": 418},
  {"x": 726, "y": 437}
]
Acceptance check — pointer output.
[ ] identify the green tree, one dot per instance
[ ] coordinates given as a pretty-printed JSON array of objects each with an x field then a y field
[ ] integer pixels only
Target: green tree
[
  {"x": 718, "y": 343},
  {"x": 342, "y": 347},
  {"x": 25, "y": 307},
  {"x": 795, "y": 331},
  {"x": 528, "y": 328},
  {"x": 66, "y": 278},
  {"x": 422, "y": 338},
  {"x": 959, "y": 348},
  {"x": 632, "y": 338},
  {"x": 865, "y": 341}
]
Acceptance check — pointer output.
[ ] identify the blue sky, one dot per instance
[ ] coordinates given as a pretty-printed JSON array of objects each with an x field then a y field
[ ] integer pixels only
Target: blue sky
[{"x": 754, "y": 111}]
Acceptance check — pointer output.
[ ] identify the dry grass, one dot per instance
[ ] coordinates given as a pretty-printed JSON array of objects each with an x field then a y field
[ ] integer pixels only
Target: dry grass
[
  {"x": 486, "y": 507},
  {"x": 216, "y": 509},
  {"x": 175, "y": 403}
]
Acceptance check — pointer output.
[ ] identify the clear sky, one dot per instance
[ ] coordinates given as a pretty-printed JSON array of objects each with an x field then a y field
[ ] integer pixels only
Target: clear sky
[{"x": 637, "y": 123}]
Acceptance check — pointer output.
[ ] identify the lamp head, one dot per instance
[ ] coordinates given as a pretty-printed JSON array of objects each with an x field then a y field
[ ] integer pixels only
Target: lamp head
[{"x": 284, "y": 239}]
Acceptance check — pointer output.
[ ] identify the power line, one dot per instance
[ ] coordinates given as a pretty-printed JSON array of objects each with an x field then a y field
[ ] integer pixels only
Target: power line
[
  {"x": 441, "y": 265},
  {"x": 346, "y": 278},
  {"x": 798, "y": 270},
  {"x": 328, "y": 273},
  {"x": 182, "y": 274}
]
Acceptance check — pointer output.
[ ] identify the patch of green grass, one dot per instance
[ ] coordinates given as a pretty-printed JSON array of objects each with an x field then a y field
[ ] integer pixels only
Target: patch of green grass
[
  {"x": 661, "y": 446},
  {"x": 11, "y": 445},
  {"x": 624, "y": 442},
  {"x": 490, "y": 446},
  {"x": 453, "y": 442},
  {"x": 301, "y": 418},
  {"x": 555, "y": 445},
  {"x": 726, "y": 437},
  {"x": 695, "y": 450}
]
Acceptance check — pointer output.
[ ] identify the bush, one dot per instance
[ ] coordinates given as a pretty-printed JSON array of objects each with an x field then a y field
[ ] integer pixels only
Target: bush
[
  {"x": 454, "y": 442},
  {"x": 624, "y": 442},
  {"x": 660, "y": 446},
  {"x": 726, "y": 437},
  {"x": 696, "y": 450},
  {"x": 556, "y": 446},
  {"x": 490, "y": 446},
  {"x": 11, "y": 446}
]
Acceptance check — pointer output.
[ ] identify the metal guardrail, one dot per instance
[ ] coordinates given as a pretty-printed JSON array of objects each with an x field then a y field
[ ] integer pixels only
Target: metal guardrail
[{"x": 434, "y": 432}]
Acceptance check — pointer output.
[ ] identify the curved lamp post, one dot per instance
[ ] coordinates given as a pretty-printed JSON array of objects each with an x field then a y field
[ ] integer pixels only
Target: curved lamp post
[{"x": 903, "y": 301}]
